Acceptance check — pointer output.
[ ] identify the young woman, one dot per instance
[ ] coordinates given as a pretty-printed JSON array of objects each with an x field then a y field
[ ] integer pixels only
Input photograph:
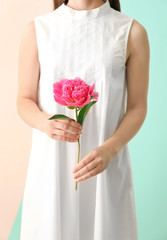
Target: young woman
[{"x": 93, "y": 40}]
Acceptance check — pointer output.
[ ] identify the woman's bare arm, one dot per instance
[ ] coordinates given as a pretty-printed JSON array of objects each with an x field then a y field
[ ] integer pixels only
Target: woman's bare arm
[
  {"x": 27, "y": 98},
  {"x": 28, "y": 79},
  {"x": 137, "y": 88}
]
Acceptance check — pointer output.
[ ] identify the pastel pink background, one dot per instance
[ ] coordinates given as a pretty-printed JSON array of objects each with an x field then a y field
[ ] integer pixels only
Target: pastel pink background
[{"x": 15, "y": 135}]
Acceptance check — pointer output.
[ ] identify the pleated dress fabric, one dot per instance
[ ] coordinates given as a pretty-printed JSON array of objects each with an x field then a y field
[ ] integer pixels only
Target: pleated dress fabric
[{"x": 92, "y": 45}]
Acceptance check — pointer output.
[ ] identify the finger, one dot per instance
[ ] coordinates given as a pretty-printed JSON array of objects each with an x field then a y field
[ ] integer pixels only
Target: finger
[
  {"x": 67, "y": 127},
  {"x": 92, "y": 173},
  {"x": 76, "y": 124},
  {"x": 65, "y": 134},
  {"x": 85, "y": 169},
  {"x": 64, "y": 139},
  {"x": 71, "y": 122},
  {"x": 89, "y": 158}
]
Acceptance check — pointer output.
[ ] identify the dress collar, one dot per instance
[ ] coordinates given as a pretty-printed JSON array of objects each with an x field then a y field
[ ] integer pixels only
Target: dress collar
[{"x": 84, "y": 14}]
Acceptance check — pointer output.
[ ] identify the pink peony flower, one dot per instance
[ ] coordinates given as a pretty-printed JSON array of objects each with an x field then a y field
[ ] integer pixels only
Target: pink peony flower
[{"x": 74, "y": 92}]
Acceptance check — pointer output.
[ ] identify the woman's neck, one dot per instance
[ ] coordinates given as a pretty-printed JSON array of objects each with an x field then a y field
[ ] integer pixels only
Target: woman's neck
[{"x": 84, "y": 4}]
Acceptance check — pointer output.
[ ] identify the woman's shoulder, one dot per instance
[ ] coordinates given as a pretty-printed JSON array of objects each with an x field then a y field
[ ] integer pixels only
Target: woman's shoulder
[
  {"x": 129, "y": 30},
  {"x": 44, "y": 17},
  {"x": 138, "y": 38},
  {"x": 122, "y": 17}
]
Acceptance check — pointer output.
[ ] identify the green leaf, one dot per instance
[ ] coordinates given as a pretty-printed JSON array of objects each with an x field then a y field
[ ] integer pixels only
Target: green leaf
[
  {"x": 71, "y": 107},
  {"x": 93, "y": 97},
  {"x": 83, "y": 112},
  {"x": 60, "y": 116}
]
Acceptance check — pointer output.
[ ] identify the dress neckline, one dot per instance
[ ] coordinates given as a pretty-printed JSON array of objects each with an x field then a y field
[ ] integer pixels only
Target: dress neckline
[{"x": 84, "y": 14}]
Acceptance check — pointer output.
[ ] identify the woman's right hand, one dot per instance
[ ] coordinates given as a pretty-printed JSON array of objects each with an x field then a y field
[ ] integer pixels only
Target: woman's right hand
[{"x": 62, "y": 129}]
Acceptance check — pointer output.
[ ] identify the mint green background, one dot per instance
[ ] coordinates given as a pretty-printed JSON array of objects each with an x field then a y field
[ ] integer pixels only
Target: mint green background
[{"x": 148, "y": 149}]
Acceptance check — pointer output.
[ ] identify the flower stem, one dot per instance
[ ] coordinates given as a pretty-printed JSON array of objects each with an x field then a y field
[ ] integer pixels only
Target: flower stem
[{"x": 78, "y": 146}]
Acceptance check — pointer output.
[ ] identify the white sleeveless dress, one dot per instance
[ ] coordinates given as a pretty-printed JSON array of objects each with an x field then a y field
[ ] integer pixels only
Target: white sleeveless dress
[{"x": 90, "y": 44}]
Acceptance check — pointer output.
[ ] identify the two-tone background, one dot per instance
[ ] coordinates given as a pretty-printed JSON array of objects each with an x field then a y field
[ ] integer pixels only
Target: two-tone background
[{"x": 148, "y": 148}]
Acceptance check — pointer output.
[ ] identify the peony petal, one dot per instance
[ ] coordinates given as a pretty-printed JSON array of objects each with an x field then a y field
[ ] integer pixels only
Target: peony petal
[
  {"x": 57, "y": 91},
  {"x": 95, "y": 93},
  {"x": 82, "y": 104},
  {"x": 77, "y": 95},
  {"x": 91, "y": 89},
  {"x": 60, "y": 100},
  {"x": 95, "y": 98},
  {"x": 59, "y": 84},
  {"x": 57, "y": 88},
  {"x": 71, "y": 103}
]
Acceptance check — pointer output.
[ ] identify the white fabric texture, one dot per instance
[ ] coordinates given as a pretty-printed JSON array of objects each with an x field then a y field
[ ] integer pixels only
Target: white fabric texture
[{"x": 90, "y": 44}]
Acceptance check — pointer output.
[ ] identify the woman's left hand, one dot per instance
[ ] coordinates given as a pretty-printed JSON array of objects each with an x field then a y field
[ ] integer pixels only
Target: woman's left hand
[{"x": 92, "y": 164}]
